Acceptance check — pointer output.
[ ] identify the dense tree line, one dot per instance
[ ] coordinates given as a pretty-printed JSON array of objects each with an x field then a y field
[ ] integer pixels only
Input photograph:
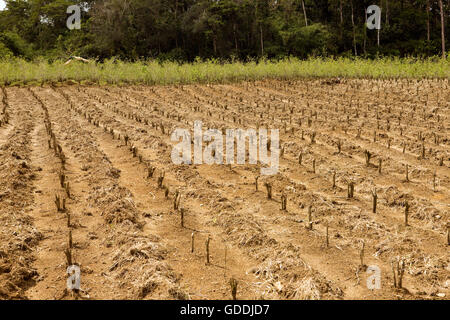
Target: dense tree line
[{"x": 230, "y": 29}]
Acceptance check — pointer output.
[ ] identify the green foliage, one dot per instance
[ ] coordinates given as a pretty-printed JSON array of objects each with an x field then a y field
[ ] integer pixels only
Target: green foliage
[
  {"x": 11, "y": 44},
  {"x": 181, "y": 30},
  {"x": 308, "y": 40},
  {"x": 113, "y": 71},
  {"x": 5, "y": 53}
]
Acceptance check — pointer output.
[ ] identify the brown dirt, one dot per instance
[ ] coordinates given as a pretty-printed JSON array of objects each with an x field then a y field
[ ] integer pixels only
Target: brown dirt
[{"x": 126, "y": 234}]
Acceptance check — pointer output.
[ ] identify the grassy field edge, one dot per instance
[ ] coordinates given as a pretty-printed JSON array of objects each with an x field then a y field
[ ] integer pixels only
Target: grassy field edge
[{"x": 18, "y": 72}]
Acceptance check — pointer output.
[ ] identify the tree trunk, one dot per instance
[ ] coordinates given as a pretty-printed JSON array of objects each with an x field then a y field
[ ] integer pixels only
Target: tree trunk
[
  {"x": 342, "y": 21},
  {"x": 428, "y": 21},
  {"x": 353, "y": 24},
  {"x": 441, "y": 5},
  {"x": 262, "y": 39},
  {"x": 387, "y": 12},
  {"x": 378, "y": 38},
  {"x": 304, "y": 13},
  {"x": 365, "y": 38},
  {"x": 176, "y": 22},
  {"x": 378, "y": 30},
  {"x": 365, "y": 32},
  {"x": 235, "y": 38}
]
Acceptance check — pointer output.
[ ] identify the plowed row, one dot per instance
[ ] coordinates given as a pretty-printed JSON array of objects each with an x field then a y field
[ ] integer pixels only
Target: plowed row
[{"x": 113, "y": 147}]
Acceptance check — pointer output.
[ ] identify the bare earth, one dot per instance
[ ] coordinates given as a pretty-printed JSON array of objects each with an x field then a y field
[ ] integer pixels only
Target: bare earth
[{"x": 69, "y": 141}]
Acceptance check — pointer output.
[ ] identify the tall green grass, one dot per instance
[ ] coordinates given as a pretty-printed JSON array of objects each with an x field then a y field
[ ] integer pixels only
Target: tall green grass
[{"x": 18, "y": 71}]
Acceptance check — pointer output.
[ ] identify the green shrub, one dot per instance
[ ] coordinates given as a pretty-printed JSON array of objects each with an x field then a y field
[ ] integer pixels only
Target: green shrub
[{"x": 15, "y": 44}]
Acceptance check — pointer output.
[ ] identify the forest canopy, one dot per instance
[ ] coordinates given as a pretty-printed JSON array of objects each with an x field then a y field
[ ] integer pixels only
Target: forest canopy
[{"x": 182, "y": 30}]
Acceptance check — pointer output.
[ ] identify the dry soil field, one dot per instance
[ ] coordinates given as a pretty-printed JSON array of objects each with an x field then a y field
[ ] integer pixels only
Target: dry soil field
[{"x": 86, "y": 175}]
